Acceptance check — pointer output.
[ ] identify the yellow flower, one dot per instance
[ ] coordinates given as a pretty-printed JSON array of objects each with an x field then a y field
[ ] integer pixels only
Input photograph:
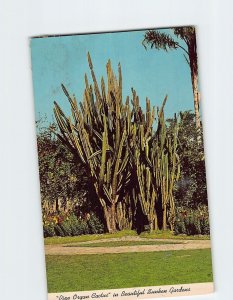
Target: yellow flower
[{"x": 55, "y": 219}]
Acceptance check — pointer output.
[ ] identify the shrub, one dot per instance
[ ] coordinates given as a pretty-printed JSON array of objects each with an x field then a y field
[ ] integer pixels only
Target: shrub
[
  {"x": 70, "y": 225},
  {"x": 49, "y": 230},
  {"x": 95, "y": 225},
  {"x": 192, "y": 221}
]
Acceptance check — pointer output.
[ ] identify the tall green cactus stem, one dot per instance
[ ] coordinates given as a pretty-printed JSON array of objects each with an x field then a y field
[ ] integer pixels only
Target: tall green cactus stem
[
  {"x": 125, "y": 213},
  {"x": 144, "y": 191},
  {"x": 166, "y": 167},
  {"x": 156, "y": 164},
  {"x": 98, "y": 136}
]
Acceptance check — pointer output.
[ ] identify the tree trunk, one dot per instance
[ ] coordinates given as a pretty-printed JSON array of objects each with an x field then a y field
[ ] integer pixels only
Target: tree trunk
[
  {"x": 192, "y": 50},
  {"x": 196, "y": 99},
  {"x": 124, "y": 215},
  {"x": 110, "y": 217},
  {"x": 165, "y": 218},
  {"x": 150, "y": 223},
  {"x": 155, "y": 226}
]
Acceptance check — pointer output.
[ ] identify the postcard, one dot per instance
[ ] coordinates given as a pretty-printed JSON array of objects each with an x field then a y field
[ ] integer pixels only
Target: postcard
[{"x": 122, "y": 164}]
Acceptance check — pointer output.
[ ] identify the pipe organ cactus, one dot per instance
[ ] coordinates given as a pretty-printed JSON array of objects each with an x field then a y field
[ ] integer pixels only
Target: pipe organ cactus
[
  {"x": 156, "y": 164},
  {"x": 117, "y": 142},
  {"x": 98, "y": 135},
  {"x": 165, "y": 167},
  {"x": 145, "y": 191}
]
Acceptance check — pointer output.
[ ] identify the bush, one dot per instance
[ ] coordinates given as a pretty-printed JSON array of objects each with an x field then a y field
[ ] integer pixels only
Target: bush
[
  {"x": 59, "y": 231},
  {"x": 49, "y": 230},
  {"x": 95, "y": 225},
  {"x": 192, "y": 221},
  {"x": 70, "y": 225}
]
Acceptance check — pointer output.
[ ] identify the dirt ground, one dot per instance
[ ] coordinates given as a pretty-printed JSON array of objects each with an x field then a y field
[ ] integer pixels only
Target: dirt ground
[{"x": 62, "y": 249}]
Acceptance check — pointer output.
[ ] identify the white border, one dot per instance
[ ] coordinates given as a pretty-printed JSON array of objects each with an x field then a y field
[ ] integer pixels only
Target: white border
[
  {"x": 140, "y": 293},
  {"x": 21, "y": 247}
]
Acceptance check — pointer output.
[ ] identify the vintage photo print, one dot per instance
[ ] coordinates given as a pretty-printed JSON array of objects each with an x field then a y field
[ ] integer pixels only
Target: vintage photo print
[{"x": 122, "y": 164}]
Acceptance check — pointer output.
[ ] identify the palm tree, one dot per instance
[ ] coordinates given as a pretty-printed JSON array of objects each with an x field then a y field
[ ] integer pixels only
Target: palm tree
[{"x": 160, "y": 40}]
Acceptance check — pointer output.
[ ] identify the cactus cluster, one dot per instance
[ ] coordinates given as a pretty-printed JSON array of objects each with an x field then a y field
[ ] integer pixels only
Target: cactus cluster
[{"x": 132, "y": 162}]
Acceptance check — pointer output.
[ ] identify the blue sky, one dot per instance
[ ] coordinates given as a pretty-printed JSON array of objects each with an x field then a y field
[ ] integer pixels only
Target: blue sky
[{"x": 151, "y": 73}]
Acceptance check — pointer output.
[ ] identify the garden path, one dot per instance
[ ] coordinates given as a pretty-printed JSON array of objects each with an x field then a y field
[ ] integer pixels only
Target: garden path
[{"x": 62, "y": 249}]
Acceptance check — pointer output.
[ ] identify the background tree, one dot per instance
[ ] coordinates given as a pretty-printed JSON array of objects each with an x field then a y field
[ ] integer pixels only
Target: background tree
[
  {"x": 191, "y": 189},
  {"x": 60, "y": 183},
  {"x": 160, "y": 40}
]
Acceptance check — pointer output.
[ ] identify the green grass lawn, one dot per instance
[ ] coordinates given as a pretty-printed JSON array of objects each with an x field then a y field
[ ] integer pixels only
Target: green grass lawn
[
  {"x": 87, "y": 237},
  {"x": 122, "y": 243},
  {"x": 92, "y": 237},
  {"x": 159, "y": 234},
  {"x": 109, "y": 271}
]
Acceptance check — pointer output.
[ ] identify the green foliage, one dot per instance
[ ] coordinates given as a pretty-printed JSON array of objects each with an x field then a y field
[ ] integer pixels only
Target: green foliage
[
  {"x": 186, "y": 33},
  {"x": 159, "y": 40},
  {"x": 49, "y": 230},
  {"x": 59, "y": 230},
  {"x": 71, "y": 225},
  {"x": 59, "y": 178},
  {"x": 95, "y": 225},
  {"x": 191, "y": 189},
  {"x": 192, "y": 221}
]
